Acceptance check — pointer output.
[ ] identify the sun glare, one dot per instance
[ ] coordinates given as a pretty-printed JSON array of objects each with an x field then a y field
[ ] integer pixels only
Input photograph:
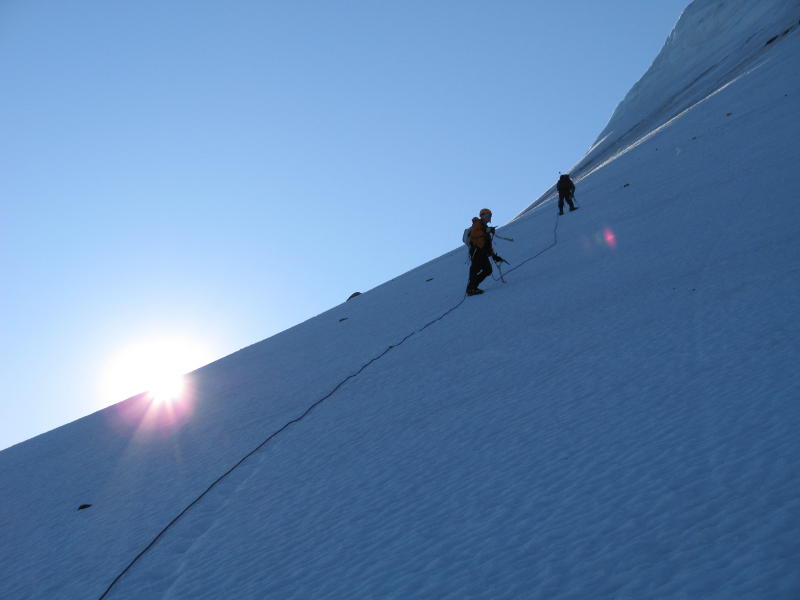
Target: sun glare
[
  {"x": 166, "y": 390},
  {"x": 155, "y": 366}
]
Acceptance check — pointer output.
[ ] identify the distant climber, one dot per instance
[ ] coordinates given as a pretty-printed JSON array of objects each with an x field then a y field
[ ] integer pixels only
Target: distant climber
[
  {"x": 480, "y": 249},
  {"x": 566, "y": 191}
]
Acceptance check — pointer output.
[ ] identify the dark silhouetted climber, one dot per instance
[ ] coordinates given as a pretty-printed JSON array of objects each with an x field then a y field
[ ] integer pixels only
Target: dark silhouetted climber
[
  {"x": 480, "y": 249},
  {"x": 566, "y": 191}
]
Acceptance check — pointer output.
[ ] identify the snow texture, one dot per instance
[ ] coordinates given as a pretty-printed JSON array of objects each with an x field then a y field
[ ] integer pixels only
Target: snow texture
[{"x": 620, "y": 420}]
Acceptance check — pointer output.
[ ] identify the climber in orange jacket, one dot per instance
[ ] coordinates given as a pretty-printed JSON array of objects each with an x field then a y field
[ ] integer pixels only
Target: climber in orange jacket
[{"x": 480, "y": 249}]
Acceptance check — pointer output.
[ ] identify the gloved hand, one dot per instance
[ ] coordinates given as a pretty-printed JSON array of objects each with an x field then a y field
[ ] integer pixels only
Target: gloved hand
[
  {"x": 499, "y": 259},
  {"x": 491, "y": 229}
]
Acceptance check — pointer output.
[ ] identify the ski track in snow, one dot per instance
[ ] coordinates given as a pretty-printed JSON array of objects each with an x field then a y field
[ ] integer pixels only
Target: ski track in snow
[{"x": 618, "y": 421}]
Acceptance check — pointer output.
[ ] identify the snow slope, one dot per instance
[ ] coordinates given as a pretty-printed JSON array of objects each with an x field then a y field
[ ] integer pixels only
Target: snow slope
[
  {"x": 618, "y": 421},
  {"x": 712, "y": 45}
]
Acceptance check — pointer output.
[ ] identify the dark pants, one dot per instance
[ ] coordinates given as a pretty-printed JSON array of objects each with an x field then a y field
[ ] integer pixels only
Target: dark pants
[
  {"x": 479, "y": 269},
  {"x": 565, "y": 196}
]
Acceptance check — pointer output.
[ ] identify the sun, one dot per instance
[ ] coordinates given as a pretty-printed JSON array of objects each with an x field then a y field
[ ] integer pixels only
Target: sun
[
  {"x": 156, "y": 366},
  {"x": 166, "y": 389}
]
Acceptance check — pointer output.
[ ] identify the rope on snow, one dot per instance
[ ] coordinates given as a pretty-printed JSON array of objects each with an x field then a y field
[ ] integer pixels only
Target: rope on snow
[{"x": 308, "y": 411}]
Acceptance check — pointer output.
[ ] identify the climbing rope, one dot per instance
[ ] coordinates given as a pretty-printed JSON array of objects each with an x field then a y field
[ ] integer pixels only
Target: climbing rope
[
  {"x": 553, "y": 244},
  {"x": 296, "y": 420}
]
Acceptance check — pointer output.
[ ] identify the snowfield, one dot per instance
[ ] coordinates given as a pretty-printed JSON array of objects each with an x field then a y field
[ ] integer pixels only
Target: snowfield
[{"x": 620, "y": 420}]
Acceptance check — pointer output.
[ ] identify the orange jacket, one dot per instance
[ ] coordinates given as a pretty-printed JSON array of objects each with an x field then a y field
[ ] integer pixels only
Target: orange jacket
[{"x": 479, "y": 236}]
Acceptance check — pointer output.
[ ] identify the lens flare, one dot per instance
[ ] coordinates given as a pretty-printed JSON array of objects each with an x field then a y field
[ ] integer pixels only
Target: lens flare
[
  {"x": 609, "y": 237},
  {"x": 167, "y": 389},
  {"x": 155, "y": 366},
  {"x": 598, "y": 240}
]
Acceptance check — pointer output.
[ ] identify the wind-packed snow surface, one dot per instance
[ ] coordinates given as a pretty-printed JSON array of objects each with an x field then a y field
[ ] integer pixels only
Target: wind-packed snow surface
[{"x": 619, "y": 420}]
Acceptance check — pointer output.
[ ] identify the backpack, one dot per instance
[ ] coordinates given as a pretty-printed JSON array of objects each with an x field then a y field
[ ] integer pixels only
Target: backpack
[
  {"x": 565, "y": 184},
  {"x": 465, "y": 238}
]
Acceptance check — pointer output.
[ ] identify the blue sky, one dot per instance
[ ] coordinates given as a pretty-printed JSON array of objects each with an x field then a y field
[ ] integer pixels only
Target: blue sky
[{"x": 217, "y": 173}]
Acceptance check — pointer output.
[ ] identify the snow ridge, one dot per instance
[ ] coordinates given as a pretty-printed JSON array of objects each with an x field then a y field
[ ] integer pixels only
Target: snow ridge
[
  {"x": 617, "y": 421},
  {"x": 713, "y": 43},
  {"x": 302, "y": 416}
]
